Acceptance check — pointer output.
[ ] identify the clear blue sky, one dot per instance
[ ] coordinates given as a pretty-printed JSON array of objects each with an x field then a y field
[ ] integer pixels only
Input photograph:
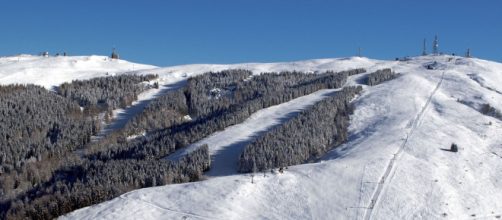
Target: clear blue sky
[{"x": 175, "y": 32}]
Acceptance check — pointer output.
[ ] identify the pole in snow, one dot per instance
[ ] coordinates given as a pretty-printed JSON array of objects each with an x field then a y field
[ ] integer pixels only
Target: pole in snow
[
  {"x": 424, "y": 49},
  {"x": 468, "y": 53}
]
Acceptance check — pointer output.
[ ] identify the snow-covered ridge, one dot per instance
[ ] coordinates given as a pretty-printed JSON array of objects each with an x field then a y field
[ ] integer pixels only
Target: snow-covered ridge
[
  {"x": 415, "y": 115},
  {"x": 393, "y": 162},
  {"x": 52, "y": 71}
]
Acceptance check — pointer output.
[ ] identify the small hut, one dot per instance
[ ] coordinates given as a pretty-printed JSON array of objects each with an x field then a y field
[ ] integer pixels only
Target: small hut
[{"x": 114, "y": 55}]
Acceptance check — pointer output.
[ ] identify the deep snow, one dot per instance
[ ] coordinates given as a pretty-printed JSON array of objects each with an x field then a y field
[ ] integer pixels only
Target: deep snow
[{"x": 394, "y": 155}]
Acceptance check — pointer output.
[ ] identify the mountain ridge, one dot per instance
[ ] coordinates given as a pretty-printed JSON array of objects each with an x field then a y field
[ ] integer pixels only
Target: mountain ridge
[
  {"x": 393, "y": 166},
  {"x": 420, "y": 112}
]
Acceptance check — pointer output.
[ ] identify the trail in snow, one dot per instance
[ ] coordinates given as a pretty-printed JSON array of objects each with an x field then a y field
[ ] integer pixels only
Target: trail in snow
[
  {"x": 186, "y": 214},
  {"x": 122, "y": 116},
  {"x": 225, "y": 146},
  {"x": 392, "y": 166},
  {"x": 497, "y": 155}
]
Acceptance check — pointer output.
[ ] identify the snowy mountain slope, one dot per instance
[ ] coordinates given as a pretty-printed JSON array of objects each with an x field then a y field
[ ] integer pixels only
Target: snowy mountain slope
[
  {"x": 225, "y": 146},
  {"x": 122, "y": 116},
  {"x": 394, "y": 165},
  {"x": 173, "y": 77},
  {"x": 52, "y": 71}
]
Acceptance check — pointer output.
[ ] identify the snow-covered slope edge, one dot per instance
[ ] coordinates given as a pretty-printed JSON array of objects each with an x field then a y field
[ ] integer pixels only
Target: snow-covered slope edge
[
  {"x": 52, "y": 71},
  {"x": 418, "y": 112}
]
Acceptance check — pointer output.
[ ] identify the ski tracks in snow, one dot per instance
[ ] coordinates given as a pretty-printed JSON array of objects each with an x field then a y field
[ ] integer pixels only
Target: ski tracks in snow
[
  {"x": 392, "y": 166},
  {"x": 185, "y": 215}
]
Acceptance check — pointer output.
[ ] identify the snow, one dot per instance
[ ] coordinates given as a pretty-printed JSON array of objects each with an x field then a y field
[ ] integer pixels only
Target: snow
[
  {"x": 172, "y": 78},
  {"x": 187, "y": 118},
  {"x": 52, "y": 71},
  {"x": 225, "y": 146},
  {"x": 395, "y": 154},
  {"x": 122, "y": 116}
]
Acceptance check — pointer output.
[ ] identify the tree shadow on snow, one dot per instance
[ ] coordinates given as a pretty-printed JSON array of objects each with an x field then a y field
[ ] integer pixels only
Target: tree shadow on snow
[{"x": 446, "y": 149}]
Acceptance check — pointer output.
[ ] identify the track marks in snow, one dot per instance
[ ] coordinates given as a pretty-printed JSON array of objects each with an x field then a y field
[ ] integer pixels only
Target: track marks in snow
[
  {"x": 497, "y": 155},
  {"x": 390, "y": 170},
  {"x": 184, "y": 214}
]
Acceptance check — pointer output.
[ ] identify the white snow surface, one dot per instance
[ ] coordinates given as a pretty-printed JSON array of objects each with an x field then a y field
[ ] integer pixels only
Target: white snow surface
[
  {"x": 392, "y": 167},
  {"x": 52, "y": 71}
]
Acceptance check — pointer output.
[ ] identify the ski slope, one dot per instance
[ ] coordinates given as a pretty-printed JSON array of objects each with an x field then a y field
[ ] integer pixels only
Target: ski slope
[
  {"x": 394, "y": 165},
  {"x": 120, "y": 116},
  {"x": 225, "y": 146},
  {"x": 172, "y": 78}
]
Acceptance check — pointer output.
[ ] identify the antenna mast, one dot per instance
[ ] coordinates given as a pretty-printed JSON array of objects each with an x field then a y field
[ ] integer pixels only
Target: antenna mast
[
  {"x": 468, "y": 53},
  {"x": 435, "y": 46},
  {"x": 424, "y": 49},
  {"x": 114, "y": 54}
]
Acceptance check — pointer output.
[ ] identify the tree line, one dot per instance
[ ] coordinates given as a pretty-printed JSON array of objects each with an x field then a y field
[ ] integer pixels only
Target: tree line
[
  {"x": 91, "y": 182},
  {"x": 380, "y": 76},
  {"x": 36, "y": 125},
  {"x": 307, "y": 136},
  {"x": 203, "y": 95},
  {"x": 54, "y": 185},
  {"x": 74, "y": 182},
  {"x": 104, "y": 94},
  {"x": 242, "y": 98}
]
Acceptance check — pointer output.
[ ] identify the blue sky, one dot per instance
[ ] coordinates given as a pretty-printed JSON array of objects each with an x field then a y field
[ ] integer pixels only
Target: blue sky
[{"x": 175, "y": 32}]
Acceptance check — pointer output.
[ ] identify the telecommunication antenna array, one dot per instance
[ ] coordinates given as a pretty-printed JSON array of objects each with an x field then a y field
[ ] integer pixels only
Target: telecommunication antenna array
[{"x": 435, "y": 46}]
